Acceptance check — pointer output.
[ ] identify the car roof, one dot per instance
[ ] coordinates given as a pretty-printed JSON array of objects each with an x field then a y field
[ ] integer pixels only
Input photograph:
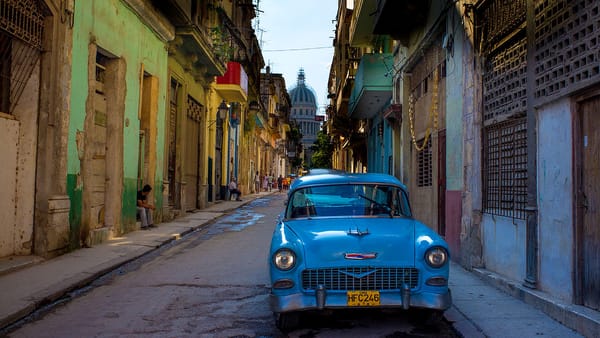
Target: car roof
[{"x": 341, "y": 177}]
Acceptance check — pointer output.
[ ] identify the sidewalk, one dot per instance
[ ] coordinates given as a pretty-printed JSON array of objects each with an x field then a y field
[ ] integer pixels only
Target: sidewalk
[
  {"x": 28, "y": 283},
  {"x": 480, "y": 308}
]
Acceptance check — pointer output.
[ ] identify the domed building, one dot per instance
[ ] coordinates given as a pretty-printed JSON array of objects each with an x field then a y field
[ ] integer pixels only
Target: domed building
[{"x": 304, "y": 110}]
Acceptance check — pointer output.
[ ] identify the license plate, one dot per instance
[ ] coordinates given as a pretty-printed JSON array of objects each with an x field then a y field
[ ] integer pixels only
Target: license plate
[{"x": 362, "y": 298}]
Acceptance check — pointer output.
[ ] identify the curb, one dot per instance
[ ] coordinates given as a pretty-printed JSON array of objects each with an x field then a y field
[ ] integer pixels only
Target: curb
[{"x": 579, "y": 318}]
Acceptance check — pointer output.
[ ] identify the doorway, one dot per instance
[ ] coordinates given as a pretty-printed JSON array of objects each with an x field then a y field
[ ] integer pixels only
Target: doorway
[{"x": 587, "y": 204}]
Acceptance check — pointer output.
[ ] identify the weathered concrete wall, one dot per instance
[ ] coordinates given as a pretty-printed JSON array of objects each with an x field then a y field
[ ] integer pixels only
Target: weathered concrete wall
[
  {"x": 455, "y": 102},
  {"x": 504, "y": 245},
  {"x": 470, "y": 231},
  {"x": 27, "y": 114},
  {"x": 18, "y": 168},
  {"x": 9, "y": 138},
  {"x": 555, "y": 198}
]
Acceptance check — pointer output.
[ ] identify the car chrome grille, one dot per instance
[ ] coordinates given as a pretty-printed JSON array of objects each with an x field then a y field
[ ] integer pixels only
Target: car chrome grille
[{"x": 360, "y": 278}]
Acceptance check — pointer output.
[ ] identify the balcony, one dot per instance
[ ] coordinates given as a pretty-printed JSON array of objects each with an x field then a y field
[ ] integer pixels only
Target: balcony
[
  {"x": 233, "y": 85},
  {"x": 372, "y": 86},
  {"x": 194, "y": 45},
  {"x": 361, "y": 24},
  {"x": 397, "y": 18}
]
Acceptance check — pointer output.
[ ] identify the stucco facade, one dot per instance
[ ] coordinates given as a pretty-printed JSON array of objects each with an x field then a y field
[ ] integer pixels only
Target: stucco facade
[
  {"x": 34, "y": 120},
  {"x": 117, "y": 103}
]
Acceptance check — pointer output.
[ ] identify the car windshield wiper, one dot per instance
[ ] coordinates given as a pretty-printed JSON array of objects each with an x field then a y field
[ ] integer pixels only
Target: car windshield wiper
[{"x": 379, "y": 205}]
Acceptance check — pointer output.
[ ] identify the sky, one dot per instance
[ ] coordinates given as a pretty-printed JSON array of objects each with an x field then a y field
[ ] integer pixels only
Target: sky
[{"x": 298, "y": 34}]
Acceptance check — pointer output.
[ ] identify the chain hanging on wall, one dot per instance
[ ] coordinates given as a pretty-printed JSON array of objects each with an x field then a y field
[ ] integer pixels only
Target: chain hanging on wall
[{"x": 433, "y": 114}]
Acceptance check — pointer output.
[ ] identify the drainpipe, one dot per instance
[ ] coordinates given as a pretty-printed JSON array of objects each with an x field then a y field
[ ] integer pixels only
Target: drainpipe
[{"x": 531, "y": 209}]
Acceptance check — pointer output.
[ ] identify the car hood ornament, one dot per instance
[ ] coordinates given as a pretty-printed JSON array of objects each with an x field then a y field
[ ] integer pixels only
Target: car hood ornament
[{"x": 357, "y": 232}]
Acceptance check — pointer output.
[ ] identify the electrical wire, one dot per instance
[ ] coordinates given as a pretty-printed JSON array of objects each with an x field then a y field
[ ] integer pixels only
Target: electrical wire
[{"x": 295, "y": 49}]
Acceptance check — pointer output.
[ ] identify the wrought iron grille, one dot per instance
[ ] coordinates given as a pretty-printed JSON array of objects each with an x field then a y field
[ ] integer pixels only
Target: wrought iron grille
[
  {"x": 505, "y": 82},
  {"x": 422, "y": 72},
  {"x": 23, "y": 19},
  {"x": 497, "y": 20},
  {"x": 360, "y": 278},
  {"x": 21, "y": 33},
  {"x": 424, "y": 165},
  {"x": 505, "y": 168},
  {"x": 567, "y": 40},
  {"x": 195, "y": 110}
]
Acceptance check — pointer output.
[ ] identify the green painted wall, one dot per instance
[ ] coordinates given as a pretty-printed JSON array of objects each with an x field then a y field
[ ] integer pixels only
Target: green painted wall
[
  {"x": 454, "y": 111},
  {"x": 113, "y": 27}
]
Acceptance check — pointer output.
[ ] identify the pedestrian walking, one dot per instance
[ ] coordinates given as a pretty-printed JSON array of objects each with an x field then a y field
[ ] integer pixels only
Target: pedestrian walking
[
  {"x": 280, "y": 183},
  {"x": 257, "y": 183},
  {"x": 270, "y": 181}
]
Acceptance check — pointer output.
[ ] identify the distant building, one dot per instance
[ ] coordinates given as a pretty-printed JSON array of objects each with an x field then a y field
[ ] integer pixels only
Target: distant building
[{"x": 304, "y": 110}]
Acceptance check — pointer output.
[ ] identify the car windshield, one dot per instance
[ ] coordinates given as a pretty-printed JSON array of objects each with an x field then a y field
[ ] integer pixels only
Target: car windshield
[{"x": 348, "y": 200}]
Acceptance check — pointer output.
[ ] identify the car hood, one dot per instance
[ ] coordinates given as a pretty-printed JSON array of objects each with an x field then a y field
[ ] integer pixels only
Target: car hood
[{"x": 356, "y": 241}]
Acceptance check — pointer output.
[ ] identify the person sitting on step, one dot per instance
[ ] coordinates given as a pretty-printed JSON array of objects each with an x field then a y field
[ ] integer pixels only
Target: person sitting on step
[{"x": 233, "y": 189}]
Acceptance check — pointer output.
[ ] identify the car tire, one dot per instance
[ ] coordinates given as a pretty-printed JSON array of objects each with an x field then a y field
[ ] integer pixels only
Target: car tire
[
  {"x": 430, "y": 317},
  {"x": 287, "y": 321}
]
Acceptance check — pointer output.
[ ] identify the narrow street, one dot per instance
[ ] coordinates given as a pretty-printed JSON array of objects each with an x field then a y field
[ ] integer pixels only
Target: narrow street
[{"x": 212, "y": 283}]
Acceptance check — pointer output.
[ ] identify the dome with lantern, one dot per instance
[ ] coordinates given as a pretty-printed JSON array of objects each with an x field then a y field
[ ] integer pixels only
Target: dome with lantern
[{"x": 302, "y": 94}]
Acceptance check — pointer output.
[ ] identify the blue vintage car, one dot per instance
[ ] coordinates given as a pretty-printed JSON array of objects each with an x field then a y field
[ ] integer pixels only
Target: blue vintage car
[{"x": 350, "y": 241}]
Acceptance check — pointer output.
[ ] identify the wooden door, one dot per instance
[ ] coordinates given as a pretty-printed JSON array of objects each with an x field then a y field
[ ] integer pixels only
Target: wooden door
[
  {"x": 192, "y": 154},
  {"x": 172, "y": 142},
  {"x": 97, "y": 160},
  {"x": 588, "y": 201}
]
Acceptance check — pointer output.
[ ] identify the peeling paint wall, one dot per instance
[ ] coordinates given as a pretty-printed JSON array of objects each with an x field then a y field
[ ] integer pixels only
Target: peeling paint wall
[
  {"x": 118, "y": 32},
  {"x": 555, "y": 199},
  {"x": 8, "y": 153}
]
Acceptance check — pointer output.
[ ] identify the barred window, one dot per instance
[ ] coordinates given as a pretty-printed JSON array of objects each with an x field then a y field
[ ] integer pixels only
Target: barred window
[
  {"x": 505, "y": 168},
  {"x": 424, "y": 170}
]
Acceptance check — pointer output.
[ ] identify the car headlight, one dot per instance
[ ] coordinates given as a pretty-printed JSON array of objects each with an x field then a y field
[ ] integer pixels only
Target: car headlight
[
  {"x": 284, "y": 259},
  {"x": 436, "y": 256}
]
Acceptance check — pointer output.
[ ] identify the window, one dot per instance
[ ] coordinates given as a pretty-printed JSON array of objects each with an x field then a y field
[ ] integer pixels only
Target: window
[
  {"x": 505, "y": 168},
  {"x": 424, "y": 170},
  {"x": 348, "y": 200}
]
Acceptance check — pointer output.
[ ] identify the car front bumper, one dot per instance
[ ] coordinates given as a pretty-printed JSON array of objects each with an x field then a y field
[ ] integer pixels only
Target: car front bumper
[{"x": 332, "y": 300}]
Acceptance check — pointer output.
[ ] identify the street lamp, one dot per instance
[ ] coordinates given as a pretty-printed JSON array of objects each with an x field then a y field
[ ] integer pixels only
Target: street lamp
[{"x": 222, "y": 111}]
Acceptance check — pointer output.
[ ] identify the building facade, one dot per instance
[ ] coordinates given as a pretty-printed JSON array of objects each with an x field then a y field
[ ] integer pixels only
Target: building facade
[
  {"x": 35, "y": 45},
  {"x": 99, "y": 98},
  {"x": 492, "y": 120}
]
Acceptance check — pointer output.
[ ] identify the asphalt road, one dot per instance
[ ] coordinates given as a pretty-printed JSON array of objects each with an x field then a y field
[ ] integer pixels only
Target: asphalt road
[{"x": 212, "y": 283}]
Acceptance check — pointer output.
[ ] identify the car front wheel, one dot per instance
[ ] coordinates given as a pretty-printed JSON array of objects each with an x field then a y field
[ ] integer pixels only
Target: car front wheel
[{"x": 287, "y": 321}]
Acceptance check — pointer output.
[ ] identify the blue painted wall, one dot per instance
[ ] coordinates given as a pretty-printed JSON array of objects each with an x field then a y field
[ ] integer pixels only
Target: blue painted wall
[
  {"x": 380, "y": 148},
  {"x": 504, "y": 245},
  {"x": 555, "y": 198}
]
